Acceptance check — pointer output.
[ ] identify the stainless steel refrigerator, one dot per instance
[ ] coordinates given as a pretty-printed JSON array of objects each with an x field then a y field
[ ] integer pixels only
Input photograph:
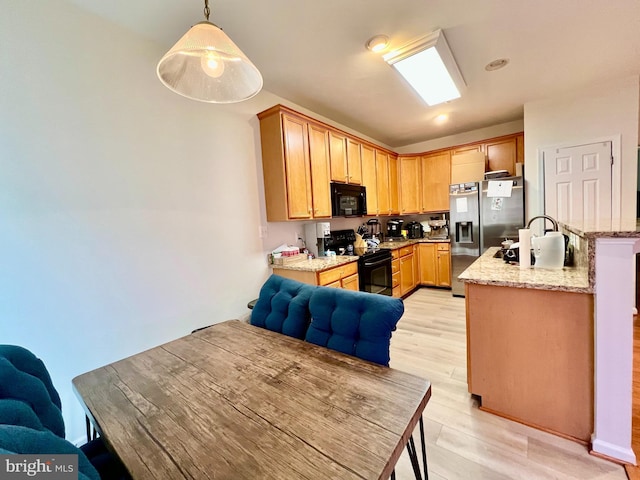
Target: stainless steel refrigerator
[{"x": 482, "y": 215}]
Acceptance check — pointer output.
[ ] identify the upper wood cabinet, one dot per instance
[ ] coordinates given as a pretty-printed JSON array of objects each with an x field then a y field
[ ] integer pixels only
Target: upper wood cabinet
[
  {"x": 286, "y": 166},
  {"x": 301, "y": 156},
  {"x": 338, "y": 156},
  {"x": 394, "y": 195},
  {"x": 344, "y": 153},
  {"x": 319, "y": 159},
  {"x": 354, "y": 162},
  {"x": 502, "y": 155},
  {"x": 436, "y": 178},
  {"x": 369, "y": 178},
  {"x": 409, "y": 172},
  {"x": 382, "y": 182}
]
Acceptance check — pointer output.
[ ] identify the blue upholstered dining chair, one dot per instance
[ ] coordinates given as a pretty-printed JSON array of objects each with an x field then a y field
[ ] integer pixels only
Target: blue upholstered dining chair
[
  {"x": 31, "y": 417},
  {"x": 355, "y": 323},
  {"x": 283, "y": 306},
  {"x": 360, "y": 324}
]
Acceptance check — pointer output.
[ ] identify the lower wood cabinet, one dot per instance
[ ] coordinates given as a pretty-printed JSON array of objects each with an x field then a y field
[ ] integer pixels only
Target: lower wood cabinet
[
  {"x": 435, "y": 264},
  {"x": 404, "y": 270},
  {"x": 530, "y": 356},
  {"x": 342, "y": 276}
]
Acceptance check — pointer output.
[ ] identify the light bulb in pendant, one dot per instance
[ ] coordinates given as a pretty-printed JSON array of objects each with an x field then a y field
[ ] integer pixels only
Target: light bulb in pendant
[{"x": 212, "y": 64}]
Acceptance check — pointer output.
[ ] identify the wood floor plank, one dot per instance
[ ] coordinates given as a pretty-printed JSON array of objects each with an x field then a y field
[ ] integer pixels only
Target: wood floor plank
[{"x": 463, "y": 442}]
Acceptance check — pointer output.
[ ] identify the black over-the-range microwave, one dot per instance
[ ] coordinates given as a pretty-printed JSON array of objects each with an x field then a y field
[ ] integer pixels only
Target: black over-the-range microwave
[{"x": 348, "y": 200}]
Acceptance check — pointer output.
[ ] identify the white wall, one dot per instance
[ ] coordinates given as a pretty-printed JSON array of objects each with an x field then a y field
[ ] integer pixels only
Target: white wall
[
  {"x": 128, "y": 213},
  {"x": 601, "y": 111}
]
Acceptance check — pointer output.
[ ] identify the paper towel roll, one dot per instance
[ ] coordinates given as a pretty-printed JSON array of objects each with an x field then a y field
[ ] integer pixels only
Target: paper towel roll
[{"x": 524, "y": 236}]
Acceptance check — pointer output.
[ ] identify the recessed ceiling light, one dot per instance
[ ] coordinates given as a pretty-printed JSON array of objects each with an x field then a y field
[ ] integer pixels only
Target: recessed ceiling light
[
  {"x": 377, "y": 43},
  {"x": 442, "y": 118},
  {"x": 496, "y": 64}
]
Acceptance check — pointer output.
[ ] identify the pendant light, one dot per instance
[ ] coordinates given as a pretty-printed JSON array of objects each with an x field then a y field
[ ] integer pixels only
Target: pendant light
[{"x": 206, "y": 65}]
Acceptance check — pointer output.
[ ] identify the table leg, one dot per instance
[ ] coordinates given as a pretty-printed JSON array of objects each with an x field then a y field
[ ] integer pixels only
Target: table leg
[{"x": 413, "y": 454}]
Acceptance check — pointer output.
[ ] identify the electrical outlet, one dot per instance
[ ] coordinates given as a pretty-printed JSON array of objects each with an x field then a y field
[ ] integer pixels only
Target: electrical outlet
[
  {"x": 297, "y": 238},
  {"x": 262, "y": 231}
]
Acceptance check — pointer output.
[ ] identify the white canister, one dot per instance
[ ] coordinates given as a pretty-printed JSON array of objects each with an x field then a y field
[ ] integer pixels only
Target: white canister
[{"x": 524, "y": 238}]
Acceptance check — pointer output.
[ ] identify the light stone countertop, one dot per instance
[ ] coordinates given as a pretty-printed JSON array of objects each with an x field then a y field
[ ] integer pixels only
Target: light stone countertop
[
  {"x": 488, "y": 270},
  {"x": 317, "y": 264}
]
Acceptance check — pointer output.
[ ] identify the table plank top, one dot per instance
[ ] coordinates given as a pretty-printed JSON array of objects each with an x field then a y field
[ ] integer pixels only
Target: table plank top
[{"x": 235, "y": 401}]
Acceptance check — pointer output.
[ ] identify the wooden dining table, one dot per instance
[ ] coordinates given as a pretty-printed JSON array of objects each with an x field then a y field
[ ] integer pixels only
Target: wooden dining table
[{"x": 234, "y": 401}]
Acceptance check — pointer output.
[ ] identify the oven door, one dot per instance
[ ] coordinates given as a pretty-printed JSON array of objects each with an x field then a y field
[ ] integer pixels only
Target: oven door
[{"x": 375, "y": 275}]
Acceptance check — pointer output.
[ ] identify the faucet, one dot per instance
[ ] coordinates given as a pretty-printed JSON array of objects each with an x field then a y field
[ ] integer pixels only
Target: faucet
[{"x": 555, "y": 223}]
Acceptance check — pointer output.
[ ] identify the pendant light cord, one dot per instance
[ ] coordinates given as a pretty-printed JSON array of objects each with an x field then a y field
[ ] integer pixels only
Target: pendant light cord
[{"x": 207, "y": 12}]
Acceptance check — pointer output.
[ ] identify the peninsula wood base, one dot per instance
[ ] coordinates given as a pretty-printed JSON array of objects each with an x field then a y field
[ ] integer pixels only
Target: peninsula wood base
[{"x": 530, "y": 356}]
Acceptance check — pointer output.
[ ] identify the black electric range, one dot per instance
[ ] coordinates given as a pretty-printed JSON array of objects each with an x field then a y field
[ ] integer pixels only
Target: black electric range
[{"x": 374, "y": 264}]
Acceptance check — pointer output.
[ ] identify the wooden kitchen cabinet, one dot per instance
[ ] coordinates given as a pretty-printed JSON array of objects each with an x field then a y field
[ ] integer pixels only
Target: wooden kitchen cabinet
[
  {"x": 435, "y": 264},
  {"x": 319, "y": 160},
  {"x": 382, "y": 182},
  {"x": 409, "y": 173},
  {"x": 354, "y": 162},
  {"x": 351, "y": 282},
  {"x": 344, "y": 153},
  {"x": 443, "y": 265},
  {"x": 286, "y": 166},
  {"x": 408, "y": 269},
  {"x": 342, "y": 276},
  {"x": 436, "y": 178},
  {"x": 502, "y": 154},
  {"x": 530, "y": 356},
  {"x": 338, "y": 156},
  {"x": 395, "y": 273},
  {"x": 369, "y": 178},
  {"x": 394, "y": 199}
]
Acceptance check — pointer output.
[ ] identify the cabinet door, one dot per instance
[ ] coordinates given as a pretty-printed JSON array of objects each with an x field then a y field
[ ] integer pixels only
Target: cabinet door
[
  {"x": 338, "y": 156},
  {"x": 369, "y": 179},
  {"x": 297, "y": 167},
  {"x": 351, "y": 283},
  {"x": 436, "y": 178},
  {"x": 319, "y": 158},
  {"x": 520, "y": 148},
  {"x": 407, "y": 282},
  {"x": 394, "y": 200},
  {"x": 474, "y": 147},
  {"x": 501, "y": 155},
  {"x": 443, "y": 266},
  {"x": 354, "y": 162},
  {"x": 409, "y": 168},
  {"x": 382, "y": 182},
  {"x": 427, "y": 252}
]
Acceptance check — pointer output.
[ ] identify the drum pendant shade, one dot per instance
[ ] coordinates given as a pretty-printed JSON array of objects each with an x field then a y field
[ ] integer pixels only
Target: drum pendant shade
[{"x": 206, "y": 65}]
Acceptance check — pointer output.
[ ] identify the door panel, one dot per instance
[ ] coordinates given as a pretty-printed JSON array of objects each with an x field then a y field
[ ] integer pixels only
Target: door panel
[{"x": 577, "y": 185}]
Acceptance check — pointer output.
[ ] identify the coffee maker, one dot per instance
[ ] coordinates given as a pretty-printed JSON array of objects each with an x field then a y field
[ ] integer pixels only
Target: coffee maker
[
  {"x": 394, "y": 227},
  {"x": 317, "y": 235},
  {"x": 373, "y": 226}
]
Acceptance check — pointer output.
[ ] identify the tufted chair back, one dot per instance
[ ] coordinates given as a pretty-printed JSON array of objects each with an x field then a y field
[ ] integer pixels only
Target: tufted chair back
[
  {"x": 355, "y": 323},
  {"x": 26, "y": 390},
  {"x": 283, "y": 306}
]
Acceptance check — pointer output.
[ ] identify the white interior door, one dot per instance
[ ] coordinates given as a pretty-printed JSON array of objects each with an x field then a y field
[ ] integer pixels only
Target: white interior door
[{"x": 577, "y": 185}]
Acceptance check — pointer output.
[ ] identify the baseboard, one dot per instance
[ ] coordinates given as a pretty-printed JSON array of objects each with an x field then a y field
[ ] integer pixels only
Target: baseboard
[{"x": 613, "y": 452}]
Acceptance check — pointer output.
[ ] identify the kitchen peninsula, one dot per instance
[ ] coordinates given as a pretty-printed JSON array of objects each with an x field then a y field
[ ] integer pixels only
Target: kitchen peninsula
[{"x": 530, "y": 344}]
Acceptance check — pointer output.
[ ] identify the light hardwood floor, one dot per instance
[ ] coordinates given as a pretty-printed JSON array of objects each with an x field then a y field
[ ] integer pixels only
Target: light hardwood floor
[{"x": 463, "y": 442}]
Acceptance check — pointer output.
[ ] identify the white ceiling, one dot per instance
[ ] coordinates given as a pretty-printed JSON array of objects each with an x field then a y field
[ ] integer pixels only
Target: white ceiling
[{"x": 313, "y": 54}]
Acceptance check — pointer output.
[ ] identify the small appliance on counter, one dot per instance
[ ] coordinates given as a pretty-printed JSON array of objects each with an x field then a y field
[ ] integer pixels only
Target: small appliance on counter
[
  {"x": 438, "y": 229},
  {"x": 414, "y": 230},
  {"x": 316, "y": 236},
  {"x": 374, "y": 227},
  {"x": 394, "y": 227}
]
